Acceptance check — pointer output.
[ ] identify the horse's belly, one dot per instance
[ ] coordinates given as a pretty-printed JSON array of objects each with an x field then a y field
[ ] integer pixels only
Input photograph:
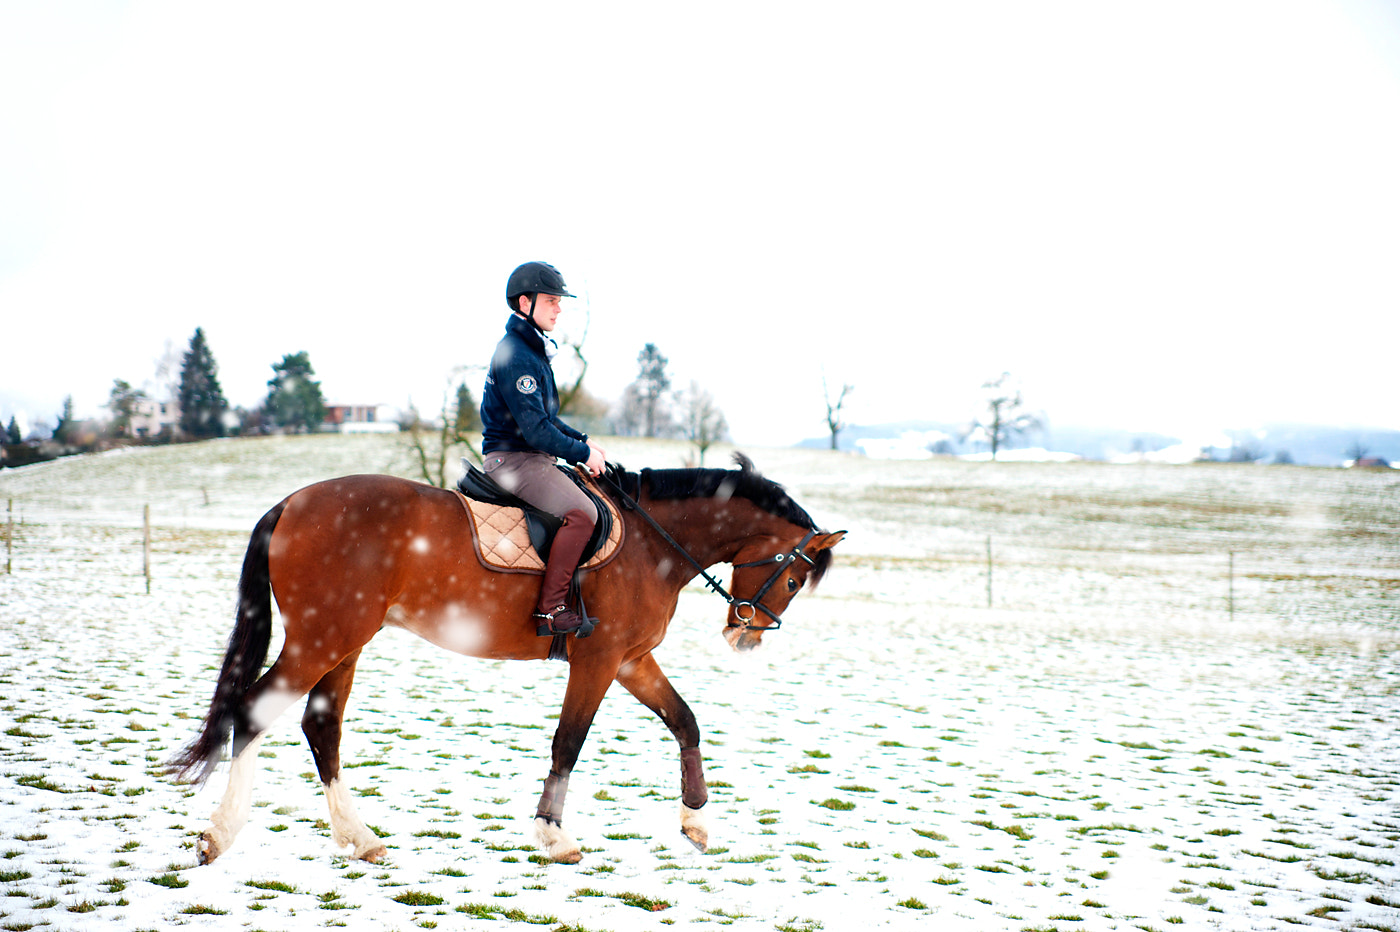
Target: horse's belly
[{"x": 463, "y": 630}]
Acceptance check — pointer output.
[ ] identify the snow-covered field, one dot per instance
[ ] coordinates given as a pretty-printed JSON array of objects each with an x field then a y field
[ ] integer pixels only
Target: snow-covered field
[{"x": 1114, "y": 744}]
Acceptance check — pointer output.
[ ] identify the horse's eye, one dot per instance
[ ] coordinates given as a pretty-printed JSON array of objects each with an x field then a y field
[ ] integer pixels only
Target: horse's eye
[{"x": 792, "y": 585}]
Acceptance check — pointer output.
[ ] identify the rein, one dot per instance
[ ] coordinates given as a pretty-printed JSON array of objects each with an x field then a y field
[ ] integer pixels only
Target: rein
[{"x": 754, "y": 605}]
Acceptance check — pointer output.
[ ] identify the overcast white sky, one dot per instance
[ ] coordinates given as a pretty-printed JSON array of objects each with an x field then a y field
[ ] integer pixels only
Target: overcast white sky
[{"x": 1175, "y": 216}]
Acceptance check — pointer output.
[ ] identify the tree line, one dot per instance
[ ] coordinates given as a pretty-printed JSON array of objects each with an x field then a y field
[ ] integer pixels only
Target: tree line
[{"x": 196, "y": 410}]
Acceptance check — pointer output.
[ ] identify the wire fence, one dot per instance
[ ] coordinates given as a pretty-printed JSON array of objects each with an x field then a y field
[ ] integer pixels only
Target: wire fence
[{"x": 1217, "y": 576}]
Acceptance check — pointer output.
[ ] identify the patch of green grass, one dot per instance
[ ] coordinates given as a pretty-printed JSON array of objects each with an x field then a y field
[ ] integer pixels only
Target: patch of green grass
[
  {"x": 39, "y": 782},
  {"x": 799, "y": 925},
  {"x": 171, "y": 880},
  {"x": 277, "y": 885},
  {"x": 644, "y": 902},
  {"x": 837, "y": 804},
  {"x": 930, "y": 834},
  {"x": 436, "y": 833},
  {"x": 198, "y": 910},
  {"x": 912, "y": 903},
  {"x": 1016, "y": 831},
  {"x": 418, "y": 898},
  {"x": 819, "y": 755},
  {"x": 1358, "y": 877}
]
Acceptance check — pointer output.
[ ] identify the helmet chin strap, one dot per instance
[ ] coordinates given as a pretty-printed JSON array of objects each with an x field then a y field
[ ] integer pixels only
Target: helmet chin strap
[{"x": 551, "y": 345}]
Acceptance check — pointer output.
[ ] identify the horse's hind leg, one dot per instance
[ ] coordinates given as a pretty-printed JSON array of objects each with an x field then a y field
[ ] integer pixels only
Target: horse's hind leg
[
  {"x": 644, "y": 680},
  {"x": 269, "y": 697},
  {"x": 325, "y": 712}
]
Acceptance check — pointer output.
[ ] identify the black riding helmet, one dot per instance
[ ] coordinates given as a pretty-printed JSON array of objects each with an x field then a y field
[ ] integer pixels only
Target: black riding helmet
[{"x": 535, "y": 278}]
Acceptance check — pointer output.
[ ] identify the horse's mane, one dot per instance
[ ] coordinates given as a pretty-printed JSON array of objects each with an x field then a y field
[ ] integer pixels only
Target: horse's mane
[{"x": 746, "y": 482}]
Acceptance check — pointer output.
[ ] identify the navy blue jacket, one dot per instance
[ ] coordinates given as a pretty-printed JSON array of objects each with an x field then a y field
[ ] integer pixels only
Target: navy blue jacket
[{"x": 520, "y": 404}]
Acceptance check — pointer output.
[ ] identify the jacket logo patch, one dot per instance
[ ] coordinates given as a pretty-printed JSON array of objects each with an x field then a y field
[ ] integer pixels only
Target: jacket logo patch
[{"x": 526, "y": 385}]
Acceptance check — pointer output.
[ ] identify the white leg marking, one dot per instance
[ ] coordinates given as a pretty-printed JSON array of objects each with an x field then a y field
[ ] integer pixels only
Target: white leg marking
[
  {"x": 695, "y": 826},
  {"x": 558, "y": 844},
  {"x": 347, "y": 829},
  {"x": 232, "y": 814}
]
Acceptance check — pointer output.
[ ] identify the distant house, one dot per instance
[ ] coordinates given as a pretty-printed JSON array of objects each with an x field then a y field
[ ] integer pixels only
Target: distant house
[
  {"x": 360, "y": 419},
  {"x": 151, "y": 419},
  {"x": 1371, "y": 462}
]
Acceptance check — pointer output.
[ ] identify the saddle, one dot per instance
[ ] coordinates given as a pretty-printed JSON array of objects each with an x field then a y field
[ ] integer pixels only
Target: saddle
[{"x": 512, "y": 536}]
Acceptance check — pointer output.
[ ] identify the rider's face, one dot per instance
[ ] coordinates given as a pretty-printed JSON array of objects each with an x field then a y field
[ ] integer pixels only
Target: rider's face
[{"x": 546, "y": 310}]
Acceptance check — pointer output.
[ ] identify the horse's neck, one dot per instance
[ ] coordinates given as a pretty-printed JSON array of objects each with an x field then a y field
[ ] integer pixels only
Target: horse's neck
[{"x": 714, "y": 531}]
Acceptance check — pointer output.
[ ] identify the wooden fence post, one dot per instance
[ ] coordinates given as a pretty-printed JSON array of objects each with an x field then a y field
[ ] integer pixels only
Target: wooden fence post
[
  {"x": 989, "y": 571},
  {"x": 146, "y": 548},
  {"x": 1231, "y": 591},
  {"x": 9, "y": 534}
]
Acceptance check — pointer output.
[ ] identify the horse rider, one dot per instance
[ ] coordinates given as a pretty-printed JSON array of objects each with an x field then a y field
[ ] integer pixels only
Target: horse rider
[{"x": 522, "y": 435}]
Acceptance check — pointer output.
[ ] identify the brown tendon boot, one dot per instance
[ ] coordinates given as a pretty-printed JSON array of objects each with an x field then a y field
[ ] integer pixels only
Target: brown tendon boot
[{"x": 552, "y": 615}]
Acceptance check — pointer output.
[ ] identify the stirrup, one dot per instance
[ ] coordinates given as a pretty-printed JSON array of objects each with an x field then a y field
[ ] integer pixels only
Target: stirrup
[{"x": 563, "y": 621}]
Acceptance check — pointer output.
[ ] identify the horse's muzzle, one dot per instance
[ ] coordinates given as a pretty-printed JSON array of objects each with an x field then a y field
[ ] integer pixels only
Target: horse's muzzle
[{"x": 743, "y": 640}]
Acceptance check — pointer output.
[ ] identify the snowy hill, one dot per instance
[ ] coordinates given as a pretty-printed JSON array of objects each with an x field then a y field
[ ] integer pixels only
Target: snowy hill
[{"x": 1303, "y": 444}]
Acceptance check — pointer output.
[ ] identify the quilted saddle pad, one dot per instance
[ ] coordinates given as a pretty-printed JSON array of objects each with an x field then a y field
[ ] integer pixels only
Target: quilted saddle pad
[{"x": 502, "y": 539}]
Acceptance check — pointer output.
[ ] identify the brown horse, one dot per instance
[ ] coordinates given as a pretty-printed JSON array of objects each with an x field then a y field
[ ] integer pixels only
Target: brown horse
[{"x": 346, "y": 557}]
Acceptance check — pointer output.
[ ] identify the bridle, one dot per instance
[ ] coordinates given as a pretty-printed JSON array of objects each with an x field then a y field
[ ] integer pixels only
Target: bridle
[{"x": 755, "y": 604}]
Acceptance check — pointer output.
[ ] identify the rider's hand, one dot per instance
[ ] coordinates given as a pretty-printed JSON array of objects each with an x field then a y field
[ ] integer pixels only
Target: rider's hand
[{"x": 597, "y": 460}]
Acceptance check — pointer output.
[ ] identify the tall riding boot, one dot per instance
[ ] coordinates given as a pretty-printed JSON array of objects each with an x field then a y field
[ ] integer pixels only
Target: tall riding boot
[{"x": 553, "y": 615}]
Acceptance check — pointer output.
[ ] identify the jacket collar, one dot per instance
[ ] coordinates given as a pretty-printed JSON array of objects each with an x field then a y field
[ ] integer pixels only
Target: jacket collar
[{"x": 527, "y": 332}]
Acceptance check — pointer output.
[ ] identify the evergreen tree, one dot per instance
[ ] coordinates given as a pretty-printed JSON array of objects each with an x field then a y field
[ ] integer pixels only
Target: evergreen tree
[
  {"x": 202, "y": 403},
  {"x": 468, "y": 414},
  {"x": 12, "y": 433},
  {"x": 64, "y": 430},
  {"x": 123, "y": 403},
  {"x": 652, "y": 384},
  {"x": 294, "y": 399}
]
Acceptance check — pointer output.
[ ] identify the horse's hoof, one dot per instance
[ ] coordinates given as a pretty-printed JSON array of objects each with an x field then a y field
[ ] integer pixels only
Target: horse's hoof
[
  {"x": 697, "y": 837},
  {"x": 206, "y": 850},
  {"x": 694, "y": 828},
  {"x": 374, "y": 855},
  {"x": 558, "y": 845}
]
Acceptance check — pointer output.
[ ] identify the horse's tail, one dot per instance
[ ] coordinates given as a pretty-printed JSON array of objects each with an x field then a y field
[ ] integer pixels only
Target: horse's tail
[{"x": 243, "y": 661}]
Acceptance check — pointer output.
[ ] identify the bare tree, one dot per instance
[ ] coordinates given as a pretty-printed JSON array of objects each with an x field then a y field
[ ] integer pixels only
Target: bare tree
[
  {"x": 834, "y": 422},
  {"x": 433, "y": 445},
  {"x": 1006, "y": 418},
  {"x": 571, "y": 393},
  {"x": 703, "y": 422}
]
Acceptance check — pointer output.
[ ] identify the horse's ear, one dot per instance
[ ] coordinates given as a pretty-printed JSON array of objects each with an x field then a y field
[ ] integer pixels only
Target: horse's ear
[{"x": 827, "y": 541}]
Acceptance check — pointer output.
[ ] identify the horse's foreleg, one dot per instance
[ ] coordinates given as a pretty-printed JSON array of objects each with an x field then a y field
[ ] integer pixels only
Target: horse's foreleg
[
  {"x": 321, "y": 723},
  {"x": 587, "y": 686},
  {"x": 644, "y": 680}
]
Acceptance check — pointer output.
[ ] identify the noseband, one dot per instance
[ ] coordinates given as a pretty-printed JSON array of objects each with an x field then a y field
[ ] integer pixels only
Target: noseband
[{"x": 754, "y": 605}]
